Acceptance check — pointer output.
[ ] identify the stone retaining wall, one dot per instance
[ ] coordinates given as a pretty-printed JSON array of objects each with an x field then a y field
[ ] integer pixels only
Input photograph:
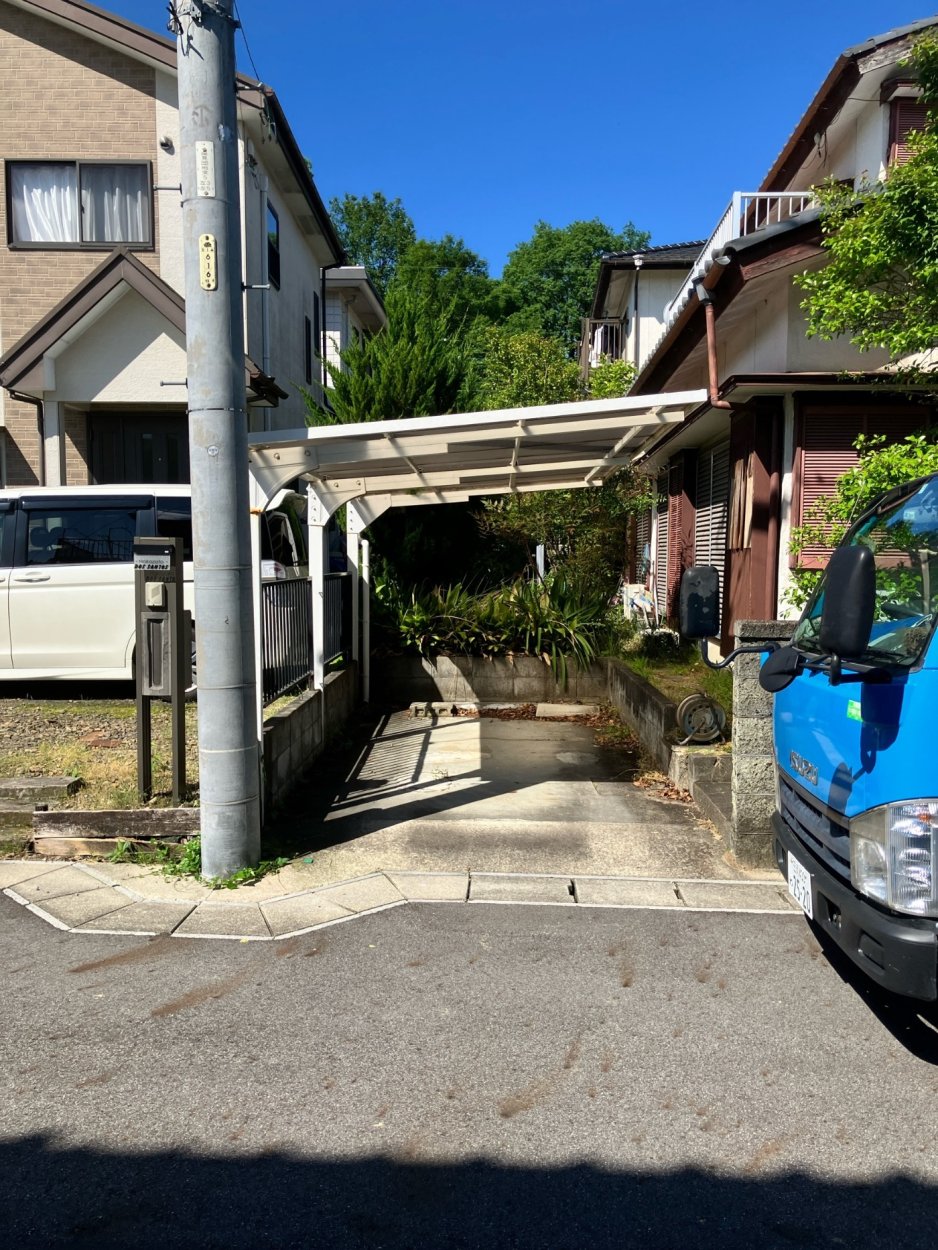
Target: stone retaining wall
[
  {"x": 753, "y": 745},
  {"x": 525, "y": 679}
]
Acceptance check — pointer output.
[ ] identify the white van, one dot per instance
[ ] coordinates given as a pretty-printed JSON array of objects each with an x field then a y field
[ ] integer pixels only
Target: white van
[{"x": 67, "y": 579}]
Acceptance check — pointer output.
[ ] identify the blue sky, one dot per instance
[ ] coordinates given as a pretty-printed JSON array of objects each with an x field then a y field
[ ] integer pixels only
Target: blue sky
[{"x": 484, "y": 116}]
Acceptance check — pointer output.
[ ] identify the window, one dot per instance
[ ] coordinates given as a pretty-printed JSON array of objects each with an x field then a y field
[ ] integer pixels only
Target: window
[
  {"x": 317, "y": 326},
  {"x": 92, "y": 535},
  {"x": 905, "y": 115},
  {"x": 308, "y": 349},
  {"x": 78, "y": 204},
  {"x": 174, "y": 520},
  {"x": 273, "y": 247}
]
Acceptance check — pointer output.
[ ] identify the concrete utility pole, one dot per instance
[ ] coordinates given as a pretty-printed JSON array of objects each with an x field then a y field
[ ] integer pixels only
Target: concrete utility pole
[{"x": 228, "y": 747}]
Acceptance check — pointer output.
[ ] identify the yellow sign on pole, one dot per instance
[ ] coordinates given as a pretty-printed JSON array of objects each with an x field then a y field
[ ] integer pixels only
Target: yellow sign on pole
[{"x": 208, "y": 267}]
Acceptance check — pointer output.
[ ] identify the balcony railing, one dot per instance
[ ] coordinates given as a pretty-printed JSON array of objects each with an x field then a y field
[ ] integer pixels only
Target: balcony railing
[
  {"x": 600, "y": 337},
  {"x": 748, "y": 212}
]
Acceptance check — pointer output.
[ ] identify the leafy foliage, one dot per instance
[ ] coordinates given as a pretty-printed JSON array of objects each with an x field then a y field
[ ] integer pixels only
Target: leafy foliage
[
  {"x": 453, "y": 275},
  {"x": 881, "y": 465},
  {"x": 417, "y": 366},
  {"x": 880, "y": 286},
  {"x": 519, "y": 370},
  {"x": 555, "y": 620},
  {"x": 552, "y": 276},
  {"x": 611, "y": 378},
  {"x": 584, "y": 532},
  {"x": 375, "y": 232}
]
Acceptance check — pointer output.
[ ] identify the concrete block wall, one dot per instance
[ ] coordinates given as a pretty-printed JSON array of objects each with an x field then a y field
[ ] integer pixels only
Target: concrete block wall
[
  {"x": 294, "y": 737},
  {"x": 525, "y": 679},
  {"x": 643, "y": 708},
  {"x": 753, "y": 780}
]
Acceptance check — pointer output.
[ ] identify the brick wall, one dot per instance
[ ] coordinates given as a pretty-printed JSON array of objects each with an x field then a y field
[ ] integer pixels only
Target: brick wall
[{"x": 61, "y": 96}]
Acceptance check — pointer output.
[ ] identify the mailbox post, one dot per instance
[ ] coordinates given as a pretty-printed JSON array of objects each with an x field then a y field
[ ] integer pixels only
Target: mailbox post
[{"x": 164, "y": 654}]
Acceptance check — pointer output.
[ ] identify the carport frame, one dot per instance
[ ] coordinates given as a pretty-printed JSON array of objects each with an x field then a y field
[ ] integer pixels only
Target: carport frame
[{"x": 377, "y": 465}]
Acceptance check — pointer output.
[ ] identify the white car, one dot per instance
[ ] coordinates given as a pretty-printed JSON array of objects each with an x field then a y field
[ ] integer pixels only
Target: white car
[{"x": 67, "y": 578}]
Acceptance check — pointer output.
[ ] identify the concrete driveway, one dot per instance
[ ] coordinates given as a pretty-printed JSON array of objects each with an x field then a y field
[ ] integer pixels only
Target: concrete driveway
[{"x": 447, "y": 794}]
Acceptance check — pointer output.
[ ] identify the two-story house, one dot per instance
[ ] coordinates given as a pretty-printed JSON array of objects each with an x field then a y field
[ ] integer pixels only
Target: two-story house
[
  {"x": 92, "y": 315},
  {"x": 784, "y": 410}
]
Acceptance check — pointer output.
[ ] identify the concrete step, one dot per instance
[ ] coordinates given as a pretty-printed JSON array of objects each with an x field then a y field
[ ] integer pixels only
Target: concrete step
[
  {"x": 33, "y": 790},
  {"x": 715, "y": 800}
]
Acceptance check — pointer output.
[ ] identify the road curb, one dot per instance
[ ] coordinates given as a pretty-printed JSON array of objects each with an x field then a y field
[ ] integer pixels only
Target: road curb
[{"x": 338, "y": 902}]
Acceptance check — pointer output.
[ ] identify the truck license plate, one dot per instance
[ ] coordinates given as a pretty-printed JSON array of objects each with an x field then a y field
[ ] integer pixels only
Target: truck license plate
[{"x": 799, "y": 886}]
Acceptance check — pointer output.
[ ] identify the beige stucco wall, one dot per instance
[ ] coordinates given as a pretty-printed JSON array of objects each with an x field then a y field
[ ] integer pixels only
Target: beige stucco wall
[
  {"x": 61, "y": 96},
  {"x": 123, "y": 358}
]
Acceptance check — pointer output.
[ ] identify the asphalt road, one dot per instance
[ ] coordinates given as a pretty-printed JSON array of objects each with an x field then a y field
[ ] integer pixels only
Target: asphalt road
[{"x": 462, "y": 1076}]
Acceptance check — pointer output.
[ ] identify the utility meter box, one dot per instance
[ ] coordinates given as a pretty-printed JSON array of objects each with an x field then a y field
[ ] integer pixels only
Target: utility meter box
[{"x": 164, "y": 649}]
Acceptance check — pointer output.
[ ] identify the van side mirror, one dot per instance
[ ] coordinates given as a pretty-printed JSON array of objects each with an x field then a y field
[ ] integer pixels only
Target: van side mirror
[
  {"x": 699, "y": 607},
  {"x": 849, "y": 590}
]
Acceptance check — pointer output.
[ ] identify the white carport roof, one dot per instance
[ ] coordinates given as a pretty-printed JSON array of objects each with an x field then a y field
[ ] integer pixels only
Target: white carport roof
[{"x": 445, "y": 459}]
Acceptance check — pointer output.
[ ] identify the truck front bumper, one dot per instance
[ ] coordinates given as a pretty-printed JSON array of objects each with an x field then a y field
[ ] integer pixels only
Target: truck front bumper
[{"x": 900, "y": 953}]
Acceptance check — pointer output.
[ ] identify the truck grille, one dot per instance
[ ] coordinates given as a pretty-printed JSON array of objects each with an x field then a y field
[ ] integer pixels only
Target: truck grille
[{"x": 822, "y": 833}]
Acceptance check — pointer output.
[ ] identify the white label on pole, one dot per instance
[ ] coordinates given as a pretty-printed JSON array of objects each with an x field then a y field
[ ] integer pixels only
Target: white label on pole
[
  {"x": 204, "y": 167},
  {"x": 208, "y": 269}
]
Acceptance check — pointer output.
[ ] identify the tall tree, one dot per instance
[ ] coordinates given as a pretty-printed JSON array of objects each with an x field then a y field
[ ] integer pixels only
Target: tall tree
[
  {"x": 552, "y": 276},
  {"x": 418, "y": 365},
  {"x": 375, "y": 232},
  {"x": 880, "y": 286},
  {"x": 453, "y": 275}
]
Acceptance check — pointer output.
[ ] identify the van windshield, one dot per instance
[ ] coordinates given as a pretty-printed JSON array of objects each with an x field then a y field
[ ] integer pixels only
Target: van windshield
[{"x": 904, "y": 539}]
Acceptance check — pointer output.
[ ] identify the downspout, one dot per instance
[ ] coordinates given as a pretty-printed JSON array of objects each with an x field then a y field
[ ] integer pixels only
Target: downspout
[
  {"x": 772, "y": 526},
  {"x": 705, "y": 297},
  {"x": 639, "y": 260},
  {"x": 40, "y": 428}
]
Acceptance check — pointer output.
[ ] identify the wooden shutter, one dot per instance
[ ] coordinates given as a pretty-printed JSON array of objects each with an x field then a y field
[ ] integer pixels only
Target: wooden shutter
[
  {"x": 905, "y": 115},
  {"x": 661, "y": 550},
  {"x": 710, "y": 524},
  {"x": 827, "y": 452},
  {"x": 642, "y": 547}
]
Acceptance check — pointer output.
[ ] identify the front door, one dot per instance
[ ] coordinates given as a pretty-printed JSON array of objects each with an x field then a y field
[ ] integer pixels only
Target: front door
[{"x": 138, "y": 447}]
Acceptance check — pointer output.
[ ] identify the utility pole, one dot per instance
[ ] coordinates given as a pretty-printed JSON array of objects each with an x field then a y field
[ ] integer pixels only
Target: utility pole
[{"x": 228, "y": 746}]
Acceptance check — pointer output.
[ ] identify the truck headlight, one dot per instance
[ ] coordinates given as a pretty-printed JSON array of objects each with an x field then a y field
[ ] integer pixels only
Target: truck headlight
[{"x": 894, "y": 856}]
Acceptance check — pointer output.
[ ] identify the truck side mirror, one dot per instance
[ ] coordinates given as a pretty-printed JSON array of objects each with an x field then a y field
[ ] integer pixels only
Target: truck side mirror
[
  {"x": 849, "y": 602},
  {"x": 780, "y": 669},
  {"x": 699, "y": 608}
]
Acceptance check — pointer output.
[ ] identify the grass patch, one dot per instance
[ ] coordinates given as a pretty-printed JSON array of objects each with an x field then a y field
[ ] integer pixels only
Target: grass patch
[{"x": 685, "y": 675}]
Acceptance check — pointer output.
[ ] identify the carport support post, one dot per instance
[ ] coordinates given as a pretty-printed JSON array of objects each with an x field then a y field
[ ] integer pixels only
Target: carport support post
[
  {"x": 366, "y": 619},
  {"x": 354, "y": 524},
  {"x": 228, "y": 747},
  {"x": 317, "y": 520}
]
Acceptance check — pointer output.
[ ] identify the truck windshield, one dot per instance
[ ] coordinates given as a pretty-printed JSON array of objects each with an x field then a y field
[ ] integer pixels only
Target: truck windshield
[{"x": 904, "y": 539}]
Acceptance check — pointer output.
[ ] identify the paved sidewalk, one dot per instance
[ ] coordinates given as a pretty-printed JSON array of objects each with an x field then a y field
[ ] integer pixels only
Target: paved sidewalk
[{"x": 94, "y": 898}]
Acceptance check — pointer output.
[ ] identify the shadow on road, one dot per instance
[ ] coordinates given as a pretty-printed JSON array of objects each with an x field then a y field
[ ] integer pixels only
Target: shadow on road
[{"x": 79, "y": 1197}]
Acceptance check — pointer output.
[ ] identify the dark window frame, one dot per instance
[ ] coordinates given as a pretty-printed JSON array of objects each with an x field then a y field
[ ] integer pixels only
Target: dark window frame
[
  {"x": 308, "y": 350},
  {"x": 78, "y": 245},
  {"x": 273, "y": 247}
]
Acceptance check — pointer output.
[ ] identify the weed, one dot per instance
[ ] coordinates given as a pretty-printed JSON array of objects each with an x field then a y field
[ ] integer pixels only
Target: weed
[
  {"x": 123, "y": 852},
  {"x": 189, "y": 864}
]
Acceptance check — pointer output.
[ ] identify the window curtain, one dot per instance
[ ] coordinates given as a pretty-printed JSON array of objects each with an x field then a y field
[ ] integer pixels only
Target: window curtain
[
  {"x": 115, "y": 204},
  {"x": 45, "y": 203}
]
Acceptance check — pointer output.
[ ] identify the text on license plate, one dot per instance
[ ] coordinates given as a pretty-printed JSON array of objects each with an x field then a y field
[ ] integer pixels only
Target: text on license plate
[{"x": 799, "y": 886}]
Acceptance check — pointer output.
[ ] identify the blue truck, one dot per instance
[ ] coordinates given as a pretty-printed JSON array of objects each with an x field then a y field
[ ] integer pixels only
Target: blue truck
[{"x": 856, "y": 743}]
